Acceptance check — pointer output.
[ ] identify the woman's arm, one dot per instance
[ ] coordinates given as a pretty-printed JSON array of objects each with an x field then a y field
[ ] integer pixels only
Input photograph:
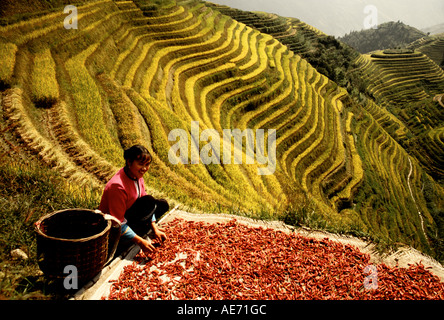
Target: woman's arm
[{"x": 115, "y": 198}]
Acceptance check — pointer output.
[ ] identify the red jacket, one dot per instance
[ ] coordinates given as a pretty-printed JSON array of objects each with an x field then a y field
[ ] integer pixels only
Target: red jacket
[{"x": 119, "y": 195}]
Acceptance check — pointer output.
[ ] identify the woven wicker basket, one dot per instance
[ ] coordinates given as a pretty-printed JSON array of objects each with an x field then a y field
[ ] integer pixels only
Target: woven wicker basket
[{"x": 86, "y": 239}]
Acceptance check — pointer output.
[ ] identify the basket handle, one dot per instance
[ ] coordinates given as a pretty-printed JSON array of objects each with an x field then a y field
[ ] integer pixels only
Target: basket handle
[{"x": 114, "y": 234}]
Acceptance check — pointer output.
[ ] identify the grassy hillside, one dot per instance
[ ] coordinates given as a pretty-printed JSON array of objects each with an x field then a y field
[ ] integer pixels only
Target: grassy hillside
[
  {"x": 388, "y": 35},
  {"x": 133, "y": 71}
]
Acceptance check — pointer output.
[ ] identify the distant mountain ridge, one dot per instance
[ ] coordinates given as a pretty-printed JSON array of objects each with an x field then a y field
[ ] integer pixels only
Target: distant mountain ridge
[
  {"x": 434, "y": 30},
  {"x": 338, "y": 17},
  {"x": 387, "y": 36}
]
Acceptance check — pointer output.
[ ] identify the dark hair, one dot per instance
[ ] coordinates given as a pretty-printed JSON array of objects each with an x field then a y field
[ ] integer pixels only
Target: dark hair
[{"x": 137, "y": 152}]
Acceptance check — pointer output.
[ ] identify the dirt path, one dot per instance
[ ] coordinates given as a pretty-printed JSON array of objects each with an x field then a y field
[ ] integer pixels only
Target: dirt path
[
  {"x": 413, "y": 198},
  {"x": 169, "y": 87},
  {"x": 402, "y": 258}
]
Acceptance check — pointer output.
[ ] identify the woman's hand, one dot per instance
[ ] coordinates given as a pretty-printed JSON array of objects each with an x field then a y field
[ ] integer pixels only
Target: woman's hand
[
  {"x": 159, "y": 233},
  {"x": 144, "y": 244}
]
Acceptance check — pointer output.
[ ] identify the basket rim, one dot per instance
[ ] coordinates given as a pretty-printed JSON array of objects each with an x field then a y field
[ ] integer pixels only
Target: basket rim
[{"x": 40, "y": 232}]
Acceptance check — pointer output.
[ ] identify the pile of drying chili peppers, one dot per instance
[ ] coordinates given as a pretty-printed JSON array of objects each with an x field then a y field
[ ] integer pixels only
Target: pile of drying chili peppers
[{"x": 233, "y": 262}]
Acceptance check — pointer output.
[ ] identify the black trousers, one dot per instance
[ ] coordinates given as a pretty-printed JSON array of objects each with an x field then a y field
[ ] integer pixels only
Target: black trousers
[{"x": 140, "y": 215}]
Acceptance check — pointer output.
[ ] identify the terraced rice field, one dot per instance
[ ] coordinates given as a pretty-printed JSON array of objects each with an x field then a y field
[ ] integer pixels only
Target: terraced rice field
[
  {"x": 432, "y": 47},
  {"x": 133, "y": 72},
  {"x": 291, "y": 32},
  {"x": 408, "y": 85},
  {"x": 395, "y": 77}
]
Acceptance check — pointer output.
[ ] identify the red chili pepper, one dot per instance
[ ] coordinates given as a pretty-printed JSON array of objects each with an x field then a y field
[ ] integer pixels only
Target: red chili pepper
[{"x": 238, "y": 262}]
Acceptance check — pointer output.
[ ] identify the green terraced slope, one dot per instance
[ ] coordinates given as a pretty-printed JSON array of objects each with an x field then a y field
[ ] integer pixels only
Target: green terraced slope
[
  {"x": 432, "y": 46},
  {"x": 406, "y": 85}
]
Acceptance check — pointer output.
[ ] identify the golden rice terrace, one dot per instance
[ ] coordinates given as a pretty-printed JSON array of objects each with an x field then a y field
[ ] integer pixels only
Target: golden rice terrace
[{"x": 133, "y": 71}]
